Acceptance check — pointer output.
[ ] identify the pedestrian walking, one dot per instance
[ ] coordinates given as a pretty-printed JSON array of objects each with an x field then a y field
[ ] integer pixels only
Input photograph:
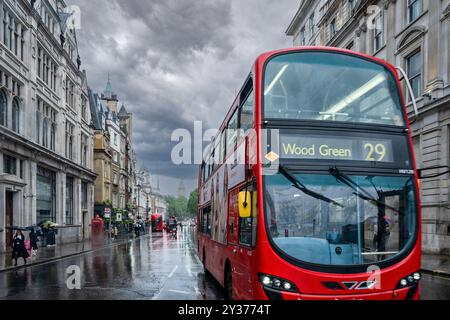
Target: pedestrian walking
[
  {"x": 137, "y": 230},
  {"x": 51, "y": 237},
  {"x": 33, "y": 243},
  {"x": 19, "y": 249},
  {"x": 116, "y": 232}
]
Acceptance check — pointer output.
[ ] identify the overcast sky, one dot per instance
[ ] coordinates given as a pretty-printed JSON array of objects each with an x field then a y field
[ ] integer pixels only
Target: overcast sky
[{"x": 173, "y": 62}]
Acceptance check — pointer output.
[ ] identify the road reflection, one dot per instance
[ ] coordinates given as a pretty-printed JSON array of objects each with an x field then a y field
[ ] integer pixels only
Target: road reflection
[{"x": 151, "y": 267}]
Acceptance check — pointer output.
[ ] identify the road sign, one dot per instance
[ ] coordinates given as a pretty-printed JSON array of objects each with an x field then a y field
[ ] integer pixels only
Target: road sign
[
  {"x": 119, "y": 217},
  {"x": 107, "y": 213}
]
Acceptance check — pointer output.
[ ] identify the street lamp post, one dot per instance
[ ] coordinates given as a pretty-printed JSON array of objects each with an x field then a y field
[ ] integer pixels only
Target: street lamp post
[{"x": 139, "y": 201}]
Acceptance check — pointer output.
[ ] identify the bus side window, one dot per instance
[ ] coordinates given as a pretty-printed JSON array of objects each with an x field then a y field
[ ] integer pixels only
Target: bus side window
[
  {"x": 247, "y": 113},
  {"x": 223, "y": 147},
  {"x": 206, "y": 220},
  {"x": 247, "y": 226},
  {"x": 232, "y": 133}
]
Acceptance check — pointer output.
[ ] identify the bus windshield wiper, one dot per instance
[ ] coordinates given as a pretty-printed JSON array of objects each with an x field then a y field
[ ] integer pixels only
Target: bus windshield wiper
[
  {"x": 297, "y": 184},
  {"x": 359, "y": 191}
]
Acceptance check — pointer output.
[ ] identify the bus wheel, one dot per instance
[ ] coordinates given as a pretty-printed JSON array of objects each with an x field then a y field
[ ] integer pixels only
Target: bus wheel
[{"x": 228, "y": 283}]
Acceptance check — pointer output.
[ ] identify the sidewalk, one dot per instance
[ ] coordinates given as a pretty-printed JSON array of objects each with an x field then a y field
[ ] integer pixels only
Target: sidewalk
[
  {"x": 436, "y": 264},
  {"x": 61, "y": 251}
]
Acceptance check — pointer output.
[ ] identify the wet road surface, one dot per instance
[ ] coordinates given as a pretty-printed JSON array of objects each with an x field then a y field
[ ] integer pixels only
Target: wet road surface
[
  {"x": 435, "y": 288},
  {"x": 151, "y": 267}
]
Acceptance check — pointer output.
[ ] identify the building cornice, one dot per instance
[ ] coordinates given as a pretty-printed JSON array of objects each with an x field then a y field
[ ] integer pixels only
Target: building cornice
[
  {"x": 446, "y": 13},
  {"x": 36, "y": 150},
  {"x": 293, "y": 26}
]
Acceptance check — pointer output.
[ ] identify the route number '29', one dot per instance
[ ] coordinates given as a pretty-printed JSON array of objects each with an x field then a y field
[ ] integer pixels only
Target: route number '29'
[{"x": 375, "y": 151}]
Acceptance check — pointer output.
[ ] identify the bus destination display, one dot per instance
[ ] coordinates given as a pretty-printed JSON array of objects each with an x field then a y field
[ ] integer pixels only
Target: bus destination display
[{"x": 336, "y": 148}]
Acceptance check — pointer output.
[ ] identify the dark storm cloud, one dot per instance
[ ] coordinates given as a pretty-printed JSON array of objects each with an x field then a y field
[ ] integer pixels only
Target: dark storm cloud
[
  {"x": 182, "y": 26},
  {"x": 176, "y": 62}
]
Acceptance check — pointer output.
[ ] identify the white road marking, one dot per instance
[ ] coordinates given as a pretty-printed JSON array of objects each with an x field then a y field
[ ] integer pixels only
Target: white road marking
[
  {"x": 173, "y": 271},
  {"x": 188, "y": 269}
]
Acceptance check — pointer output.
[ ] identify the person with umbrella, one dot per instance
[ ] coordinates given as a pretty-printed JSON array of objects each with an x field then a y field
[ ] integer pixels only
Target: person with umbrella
[
  {"x": 19, "y": 249},
  {"x": 33, "y": 242}
]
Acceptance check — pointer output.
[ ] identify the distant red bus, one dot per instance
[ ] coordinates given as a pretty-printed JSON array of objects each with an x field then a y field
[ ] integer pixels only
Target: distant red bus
[
  {"x": 310, "y": 189},
  {"x": 157, "y": 222}
]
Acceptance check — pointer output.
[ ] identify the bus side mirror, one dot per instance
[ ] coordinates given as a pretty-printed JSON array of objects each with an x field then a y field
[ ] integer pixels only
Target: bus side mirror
[{"x": 245, "y": 204}]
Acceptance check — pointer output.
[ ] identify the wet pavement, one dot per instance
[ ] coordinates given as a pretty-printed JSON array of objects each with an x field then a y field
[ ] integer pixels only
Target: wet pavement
[
  {"x": 150, "y": 267},
  {"x": 435, "y": 288}
]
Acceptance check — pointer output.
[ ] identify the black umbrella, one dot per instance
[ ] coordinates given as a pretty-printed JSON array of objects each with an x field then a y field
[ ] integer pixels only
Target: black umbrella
[
  {"x": 34, "y": 228},
  {"x": 16, "y": 228}
]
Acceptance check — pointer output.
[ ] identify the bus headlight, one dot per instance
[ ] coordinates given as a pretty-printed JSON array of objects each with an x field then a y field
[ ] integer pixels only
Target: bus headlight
[
  {"x": 287, "y": 286},
  {"x": 409, "y": 280},
  {"x": 277, "y": 283},
  {"x": 266, "y": 280}
]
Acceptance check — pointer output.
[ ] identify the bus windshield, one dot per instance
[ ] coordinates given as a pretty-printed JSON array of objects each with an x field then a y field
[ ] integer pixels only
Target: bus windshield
[
  {"x": 328, "y": 86},
  {"x": 334, "y": 219}
]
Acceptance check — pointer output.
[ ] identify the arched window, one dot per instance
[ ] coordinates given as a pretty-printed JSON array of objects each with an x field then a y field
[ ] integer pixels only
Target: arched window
[
  {"x": 3, "y": 109},
  {"x": 16, "y": 115}
]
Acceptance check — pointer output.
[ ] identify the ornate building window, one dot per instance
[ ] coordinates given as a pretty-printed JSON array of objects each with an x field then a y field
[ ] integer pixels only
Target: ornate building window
[
  {"x": 47, "y": 69},
  {"x": 13, "y": 33},
  {"x": 9, "y": 165},
  {"x": 46, "y": 125},
  {"x": 84, "y": 150},
  {"x": 303, "y": 37},
  {"x": 3, "y": 109},
  {"x": 378, "y": 33},
  {"x": 413, "y": 10},
  {"x": 53, "y": 137},
  {"x": 84, "y": 107},
  {"x": 414, "y": 70},
  {"x": 16, "y": 115},
  {"x": 69, "y": 201},
  {"x": 70, "y": 93},
  {"x": 69, "y": 140},
  {"x": 333, "y": 29},
  {"x": 84, "y": 196},
  {"x": 45, "y": 133},
  {"x": 312, "y": 24},
  {"x": 46, "y": 195}
]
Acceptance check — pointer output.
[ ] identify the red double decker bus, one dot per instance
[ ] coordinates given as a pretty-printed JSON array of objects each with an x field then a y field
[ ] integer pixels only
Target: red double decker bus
[
  {"x": 310, "y": 189},
  {"x": 157, "y": 222}
]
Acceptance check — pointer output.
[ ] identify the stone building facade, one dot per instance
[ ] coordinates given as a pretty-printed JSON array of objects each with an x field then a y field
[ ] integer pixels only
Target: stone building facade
[
  {"x": 114, "y": 158},
  {"x": 149, "y": 198},
  {"x": 46, "y": 141},
  {"x": 413, "y": 34}
]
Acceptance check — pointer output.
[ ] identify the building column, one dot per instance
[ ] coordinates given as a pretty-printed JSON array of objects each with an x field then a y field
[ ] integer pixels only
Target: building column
[
  {"x": 2, "y": 217},
  {"x": 434, "y": 80},
  {"x": 1, "y": 22},
  {"x": 389, "y": 32},
  {"x": 32, "y": 191},
  {"x": 77, "y": 208},
  {"x": 60, "y": 198},
  {"x": 446, "y": 48}
]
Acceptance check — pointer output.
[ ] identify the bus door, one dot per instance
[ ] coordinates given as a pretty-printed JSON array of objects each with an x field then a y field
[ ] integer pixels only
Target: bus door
[{"x": 242, "y": 240}]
